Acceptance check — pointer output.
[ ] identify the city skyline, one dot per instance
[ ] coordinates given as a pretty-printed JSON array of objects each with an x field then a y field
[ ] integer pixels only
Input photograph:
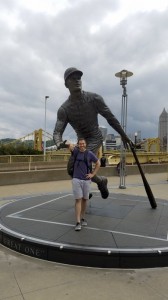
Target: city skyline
[{"x": 137, "y": 135}]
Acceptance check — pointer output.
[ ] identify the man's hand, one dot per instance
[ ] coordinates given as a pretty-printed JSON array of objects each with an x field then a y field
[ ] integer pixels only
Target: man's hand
[
  {"x": 70, "y": 145},
  {"x": 89, "y": 176}
]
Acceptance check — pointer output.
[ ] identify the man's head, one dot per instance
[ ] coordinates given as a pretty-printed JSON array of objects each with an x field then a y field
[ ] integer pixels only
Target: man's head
[
  {"x": 82, "y": 144},
  {"x": 72, "y": 77}
]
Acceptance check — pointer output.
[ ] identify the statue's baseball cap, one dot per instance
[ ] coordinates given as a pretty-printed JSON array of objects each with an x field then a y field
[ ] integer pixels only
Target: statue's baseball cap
[{"x": 70, "y": 71}]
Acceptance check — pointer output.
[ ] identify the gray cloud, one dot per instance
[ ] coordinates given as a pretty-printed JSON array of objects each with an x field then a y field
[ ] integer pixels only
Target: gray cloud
[{"x": 37, "y": 49}]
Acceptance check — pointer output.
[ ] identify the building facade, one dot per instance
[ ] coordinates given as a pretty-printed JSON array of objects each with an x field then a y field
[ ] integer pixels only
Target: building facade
[{"x": 163, "y": 130}]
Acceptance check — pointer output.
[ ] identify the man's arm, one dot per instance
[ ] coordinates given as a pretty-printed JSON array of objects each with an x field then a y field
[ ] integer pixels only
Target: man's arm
[
  {"x": 70, "y": 146},
  {"x": 96, "y": 162},
  {"x": 96, "y": 168}
]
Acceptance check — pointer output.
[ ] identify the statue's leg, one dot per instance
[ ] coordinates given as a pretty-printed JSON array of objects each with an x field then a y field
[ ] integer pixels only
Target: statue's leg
[{"x": 101, "y": 182}]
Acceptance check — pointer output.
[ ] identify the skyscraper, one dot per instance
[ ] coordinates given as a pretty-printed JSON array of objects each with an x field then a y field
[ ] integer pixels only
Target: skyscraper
[
  {"x": 103, "y": 131},
  {"x": 163, "y": 130}
]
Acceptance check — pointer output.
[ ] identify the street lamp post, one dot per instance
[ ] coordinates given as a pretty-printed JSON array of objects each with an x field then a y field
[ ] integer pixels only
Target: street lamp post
[
  {"x": 123, "y": 81},
  {"x": 46, "y": 97},
  {"x": 167, "y": 132}
]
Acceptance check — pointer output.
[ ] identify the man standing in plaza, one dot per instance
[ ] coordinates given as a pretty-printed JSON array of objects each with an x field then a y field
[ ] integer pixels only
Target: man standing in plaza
[
  {"x": 81, "y": 111},
  {"x": 81, "y": 181}
]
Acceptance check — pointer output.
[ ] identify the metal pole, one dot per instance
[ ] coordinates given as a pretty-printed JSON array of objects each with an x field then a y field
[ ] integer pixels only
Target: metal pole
[
  {"x": 46, "y": 97},
  {"x": 123, "y": 151},
  {"x": 167, "y": 131},
  {"x": 123, "y": 81}
]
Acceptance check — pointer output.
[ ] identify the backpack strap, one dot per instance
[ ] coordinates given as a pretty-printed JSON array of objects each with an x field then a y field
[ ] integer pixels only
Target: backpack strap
[
  {"x": 89, "y": 167},
  {"x": 71, "y": 162}
]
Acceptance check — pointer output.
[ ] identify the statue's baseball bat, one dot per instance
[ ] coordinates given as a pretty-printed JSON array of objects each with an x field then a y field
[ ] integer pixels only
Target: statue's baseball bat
[{"x": 146, "y": 184}]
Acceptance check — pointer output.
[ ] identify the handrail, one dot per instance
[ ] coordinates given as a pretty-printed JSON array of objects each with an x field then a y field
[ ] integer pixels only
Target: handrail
[{"x": 113, "y": 157}]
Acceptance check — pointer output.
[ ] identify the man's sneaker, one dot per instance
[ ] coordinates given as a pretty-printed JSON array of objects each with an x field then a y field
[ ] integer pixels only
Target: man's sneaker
[
  {"x": 83, "y": 222},
  {"x": 78, "y": 226},
  {"x": 102, "y": 186}
]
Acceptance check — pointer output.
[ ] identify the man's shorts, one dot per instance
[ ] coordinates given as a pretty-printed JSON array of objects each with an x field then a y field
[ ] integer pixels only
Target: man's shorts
[{"x": 81, "y": 188}]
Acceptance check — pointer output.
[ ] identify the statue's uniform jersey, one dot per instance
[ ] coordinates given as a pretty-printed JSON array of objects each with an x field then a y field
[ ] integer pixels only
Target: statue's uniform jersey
[{"x": 82, "y": 115}]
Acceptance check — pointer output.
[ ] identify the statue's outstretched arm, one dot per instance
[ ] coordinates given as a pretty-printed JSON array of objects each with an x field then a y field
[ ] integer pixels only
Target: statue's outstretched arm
[
  {"x": 105, "y": 111},
  {"x": 60, "y": 126}
]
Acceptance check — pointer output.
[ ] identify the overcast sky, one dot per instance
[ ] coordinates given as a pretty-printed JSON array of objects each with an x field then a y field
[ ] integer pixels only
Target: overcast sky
[{"x": 41, "y": 38}]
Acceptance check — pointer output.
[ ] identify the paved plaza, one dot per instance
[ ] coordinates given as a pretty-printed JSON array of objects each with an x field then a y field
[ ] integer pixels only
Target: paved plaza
[{"x": 23, "y": 277}]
